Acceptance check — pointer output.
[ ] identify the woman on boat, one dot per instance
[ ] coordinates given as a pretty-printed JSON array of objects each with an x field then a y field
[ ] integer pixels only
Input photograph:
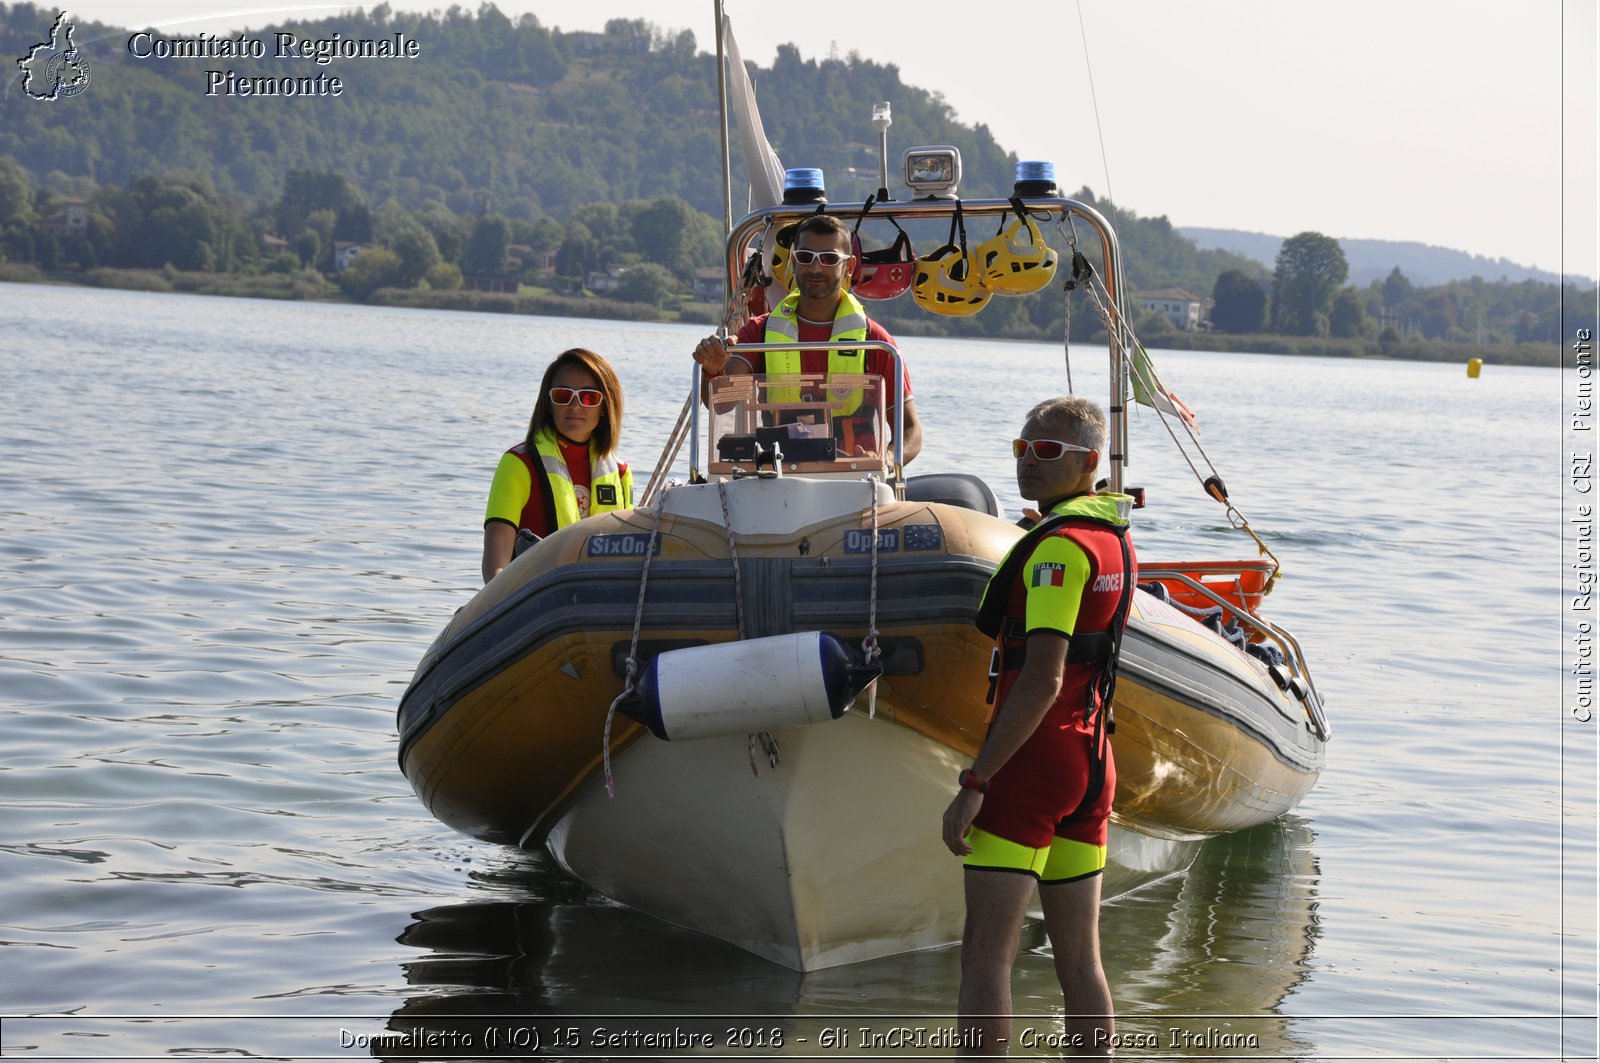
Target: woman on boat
[{"x": 566, "y": 469}]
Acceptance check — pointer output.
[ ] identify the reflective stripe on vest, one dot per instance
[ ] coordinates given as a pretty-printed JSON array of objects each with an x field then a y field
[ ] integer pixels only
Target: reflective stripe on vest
[
  {"x": 849, "y": 323},
  {"x": 602, "y": 471}
]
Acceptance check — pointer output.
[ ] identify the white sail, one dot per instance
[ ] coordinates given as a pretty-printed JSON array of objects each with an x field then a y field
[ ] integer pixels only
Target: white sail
[{"x": 760, "y": 161}]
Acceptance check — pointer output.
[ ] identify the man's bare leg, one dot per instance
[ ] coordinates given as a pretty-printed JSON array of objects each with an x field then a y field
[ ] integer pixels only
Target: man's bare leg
[
  {"x": 997, "y": 903},
  {"x": 1072, "y": 919}
]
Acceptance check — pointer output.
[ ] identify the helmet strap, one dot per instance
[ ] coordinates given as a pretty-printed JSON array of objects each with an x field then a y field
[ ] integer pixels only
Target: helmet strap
[{"x": 872, "y": 197}]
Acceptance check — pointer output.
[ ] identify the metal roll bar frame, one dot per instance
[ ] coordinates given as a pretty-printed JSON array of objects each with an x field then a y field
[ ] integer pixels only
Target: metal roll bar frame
[{"x": 1056, "y": 208}]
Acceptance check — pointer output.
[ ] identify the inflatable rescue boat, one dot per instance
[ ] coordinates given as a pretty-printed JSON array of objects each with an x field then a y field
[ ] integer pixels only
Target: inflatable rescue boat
[{"x": 741, "y": 707}]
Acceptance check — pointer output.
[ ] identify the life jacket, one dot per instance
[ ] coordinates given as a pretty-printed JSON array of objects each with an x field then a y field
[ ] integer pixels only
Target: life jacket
[
  {"x": 849, "y": 323},
  {"x": 610, "y": 486},
  {"x": 1098, "y": 524}
]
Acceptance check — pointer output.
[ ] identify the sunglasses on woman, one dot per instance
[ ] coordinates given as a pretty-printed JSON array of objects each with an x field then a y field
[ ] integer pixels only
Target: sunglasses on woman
[
  {"x": 583, "y": 396},
  {"x": 827, "y": 258},
  {"x": 1044, "y": 449}
]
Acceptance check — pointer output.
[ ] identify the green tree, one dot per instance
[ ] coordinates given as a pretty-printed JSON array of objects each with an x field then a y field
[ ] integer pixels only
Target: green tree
[
  {"x": 1151, "y": 324},
  {"x": 647, "y": 282},
  {"x": 373, "y": 268},
  {"x": 175, "y": 219},
  {"x": 446, "y": 277},
  {"x": 309, "y": 191},
  {"x": 417, "y": 253},
  {"x": 1526, "y": 327},
  {"x": 1310, "y": 268},
  {"x": 447, "y": 230},
  {"x": 543, "y": 233},
  {"x": 354, "y": 224},
  {"x": 16, "y": 195},
  {"x": 579, "y": 252},
  {"x": 1398, "y": 292},
  {"x": 1438, "y": 313},
  {"x": 630, "y": 33},
  {"x": 669, "y": 231},
  {"x": 613, "y": 236},
  {"x": 1347, "y": 319},
  {"x": 321, "y": 223},
  {"x": 486, "y": 247},
  {"x": 17, "y": 243},
  {"x": 659, "y": 228},
  {"x": 1240, "y": 303},
  {"x": 308, "y": 247}
]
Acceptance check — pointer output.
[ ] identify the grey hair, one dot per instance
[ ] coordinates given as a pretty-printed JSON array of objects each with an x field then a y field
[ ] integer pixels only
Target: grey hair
[{"x": 1071, "y": 419}]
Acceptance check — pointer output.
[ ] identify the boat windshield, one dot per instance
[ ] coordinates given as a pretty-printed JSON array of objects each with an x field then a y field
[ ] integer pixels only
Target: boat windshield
[{"x": 810, "y": 424}]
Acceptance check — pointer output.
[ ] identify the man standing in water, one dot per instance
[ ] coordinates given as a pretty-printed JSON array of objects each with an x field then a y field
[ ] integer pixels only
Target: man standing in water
[
  {"x": 1032, "y": 809},
  {"x": 820, "y": 309}
]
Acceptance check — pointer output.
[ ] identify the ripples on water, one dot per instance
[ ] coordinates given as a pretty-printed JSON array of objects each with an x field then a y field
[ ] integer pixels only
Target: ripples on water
[{"x": 230, "y": 528}]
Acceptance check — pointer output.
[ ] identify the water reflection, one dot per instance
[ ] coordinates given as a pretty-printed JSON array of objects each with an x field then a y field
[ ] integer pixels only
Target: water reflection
[
  {"x": 1210, "y": 957},
  {"x": 1201, "y": 963}
]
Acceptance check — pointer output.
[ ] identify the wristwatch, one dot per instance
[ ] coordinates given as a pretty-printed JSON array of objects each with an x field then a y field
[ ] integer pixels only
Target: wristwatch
[{"x": 969, "y": 781}]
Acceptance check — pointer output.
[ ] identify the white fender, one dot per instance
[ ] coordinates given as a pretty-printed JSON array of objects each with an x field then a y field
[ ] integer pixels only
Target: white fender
[{"x": 752, "y": 685}]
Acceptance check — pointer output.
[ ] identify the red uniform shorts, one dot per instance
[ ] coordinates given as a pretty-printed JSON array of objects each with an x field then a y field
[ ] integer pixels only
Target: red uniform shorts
[{"x": 1032, "y": 799}]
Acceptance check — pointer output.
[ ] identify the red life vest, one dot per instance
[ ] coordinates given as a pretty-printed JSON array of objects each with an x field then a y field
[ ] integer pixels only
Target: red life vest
[{"x": 1096, "y": 636}]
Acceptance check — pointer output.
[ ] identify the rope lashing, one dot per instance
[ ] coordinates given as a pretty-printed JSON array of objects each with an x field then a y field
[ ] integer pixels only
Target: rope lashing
[
  {"x": 631, "y": 664},
  {"x": 1122, "y": 341},
  {"x": 869, "y": 645}
]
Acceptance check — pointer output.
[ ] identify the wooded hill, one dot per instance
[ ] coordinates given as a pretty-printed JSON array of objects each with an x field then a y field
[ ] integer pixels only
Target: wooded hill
[
  {"x": 496, "y": 115},
  {"x": 582, "y": 142}
]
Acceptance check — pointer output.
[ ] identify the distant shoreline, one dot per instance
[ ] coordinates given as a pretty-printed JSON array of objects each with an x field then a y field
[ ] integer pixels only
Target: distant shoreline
[{"x": 312, "y": 287}]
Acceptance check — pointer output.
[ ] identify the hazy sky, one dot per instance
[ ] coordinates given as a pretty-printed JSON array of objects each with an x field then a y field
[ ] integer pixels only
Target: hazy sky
[{"x": 1469, "y": 124}]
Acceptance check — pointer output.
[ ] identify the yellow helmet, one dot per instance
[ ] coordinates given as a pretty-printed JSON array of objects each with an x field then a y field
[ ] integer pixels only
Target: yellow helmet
[
  {"x": 781, "y": 269},
  {"x": 1016, "y": 260},
  {"x": 946, "y": 281}
]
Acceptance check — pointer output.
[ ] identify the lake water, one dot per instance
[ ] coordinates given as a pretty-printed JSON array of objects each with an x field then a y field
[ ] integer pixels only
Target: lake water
[{"x": 230, "y": 528}]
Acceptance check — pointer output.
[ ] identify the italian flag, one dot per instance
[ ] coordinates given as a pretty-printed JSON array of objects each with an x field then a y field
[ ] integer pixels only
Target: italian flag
[{"x": 1048, "y": 574}]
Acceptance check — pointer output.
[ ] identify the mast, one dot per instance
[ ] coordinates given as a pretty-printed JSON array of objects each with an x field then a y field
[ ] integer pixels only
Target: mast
[{"x": 727, "y": 166}]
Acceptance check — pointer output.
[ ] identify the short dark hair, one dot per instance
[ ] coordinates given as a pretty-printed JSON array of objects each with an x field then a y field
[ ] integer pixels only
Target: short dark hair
[
  {"x": 823, "y": 225},
  {"x": 609, "y": 430}
]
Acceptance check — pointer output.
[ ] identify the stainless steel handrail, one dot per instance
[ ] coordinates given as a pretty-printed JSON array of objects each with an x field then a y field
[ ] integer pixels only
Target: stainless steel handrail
[
  {"x": 1299, "y": 657},
  {"x": 898, "y": 470},
  {"x": 1237, "y": 612},
  {"x": 1292, "y": 653},
  {"x": 1193, "y": 584}
]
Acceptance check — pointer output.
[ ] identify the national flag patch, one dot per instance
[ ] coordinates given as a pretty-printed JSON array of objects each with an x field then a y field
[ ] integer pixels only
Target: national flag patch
[{"x": 1048, "y": 574}]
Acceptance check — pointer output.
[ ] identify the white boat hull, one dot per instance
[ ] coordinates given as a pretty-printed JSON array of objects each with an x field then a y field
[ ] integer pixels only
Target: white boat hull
[{"x": 833, "y": 856}]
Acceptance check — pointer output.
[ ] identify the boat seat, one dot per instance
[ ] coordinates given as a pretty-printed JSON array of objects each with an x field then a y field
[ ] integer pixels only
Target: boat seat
[{"x": 953, "y": 489}]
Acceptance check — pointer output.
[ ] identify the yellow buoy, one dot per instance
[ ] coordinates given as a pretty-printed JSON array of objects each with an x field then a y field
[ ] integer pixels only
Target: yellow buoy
[{"x": 1474, "y": 367}]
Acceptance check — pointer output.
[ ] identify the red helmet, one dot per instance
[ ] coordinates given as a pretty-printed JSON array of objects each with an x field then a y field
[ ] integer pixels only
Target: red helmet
[{"x": 882, "y": 274}]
